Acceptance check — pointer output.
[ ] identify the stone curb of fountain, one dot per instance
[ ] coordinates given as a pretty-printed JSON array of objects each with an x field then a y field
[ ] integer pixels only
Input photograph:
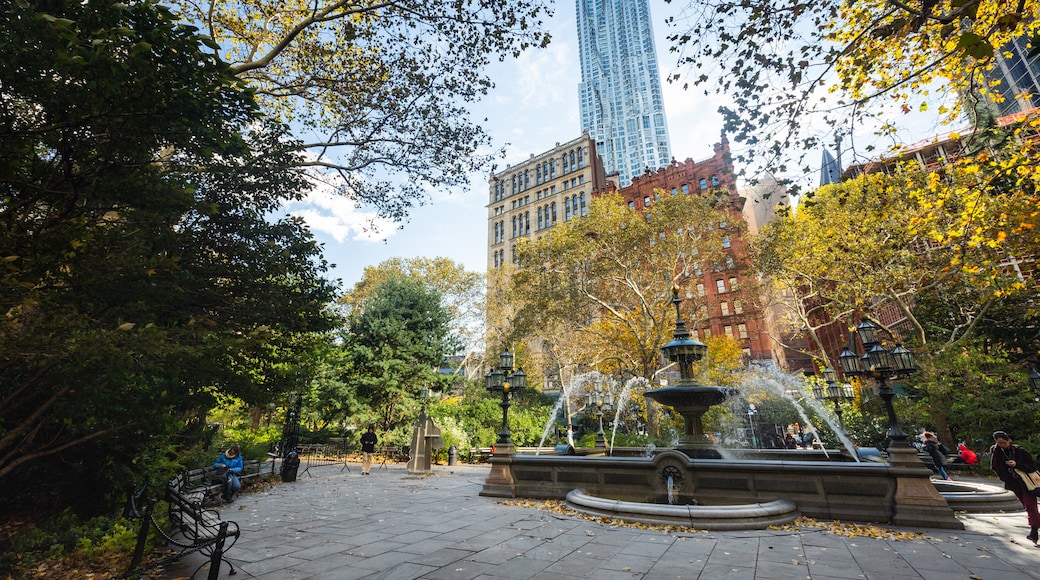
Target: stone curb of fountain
[{"x": 754, "y": 516}]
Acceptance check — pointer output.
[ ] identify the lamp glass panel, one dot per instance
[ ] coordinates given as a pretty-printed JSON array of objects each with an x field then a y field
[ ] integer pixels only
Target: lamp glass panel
[
  {"x": 829, "y": 375},
  {"x": 902, "y": 359},
  {"x": 518, "y": 380},
  {"x": 849, "y": 362},
  {"x": 867, "y": 332},
  {"x": 817, "y": 392},
  {"x": 505, "y": 360}
]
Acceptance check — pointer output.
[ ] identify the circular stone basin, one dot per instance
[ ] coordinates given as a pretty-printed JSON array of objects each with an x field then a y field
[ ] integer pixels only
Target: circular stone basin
[
  {"x": 690, "y": 396},
  {"x": 964, "y": 496},
  {"x": 755, "y": 516}
]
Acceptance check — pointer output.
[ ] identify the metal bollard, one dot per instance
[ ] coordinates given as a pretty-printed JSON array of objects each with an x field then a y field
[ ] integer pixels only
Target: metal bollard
[{"x": 453, "y": 455}]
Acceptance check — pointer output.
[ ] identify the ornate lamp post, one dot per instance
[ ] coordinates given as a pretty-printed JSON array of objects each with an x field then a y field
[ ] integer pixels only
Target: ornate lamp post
[
  {"x": 834, "y": 392},
  {"x": 601, "y": 401},
  {"x": 883, "y": 365},
  {"x": 503, "y": 380}
]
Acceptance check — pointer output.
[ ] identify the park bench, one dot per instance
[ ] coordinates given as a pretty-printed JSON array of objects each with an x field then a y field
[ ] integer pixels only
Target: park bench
[
  {"x": 953, "y": 463},
  {"x": 199, "y": 479},
  {"x": 193, "y": 527}
]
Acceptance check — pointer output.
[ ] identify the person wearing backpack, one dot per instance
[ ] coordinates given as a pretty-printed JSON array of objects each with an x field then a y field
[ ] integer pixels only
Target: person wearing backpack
[{"x": 232, "y": 460}]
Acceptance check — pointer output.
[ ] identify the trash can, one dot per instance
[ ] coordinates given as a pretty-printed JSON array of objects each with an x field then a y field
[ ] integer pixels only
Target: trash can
[
  {"x": 453, "y": 456},
  {"x": 290, "y": 465}
]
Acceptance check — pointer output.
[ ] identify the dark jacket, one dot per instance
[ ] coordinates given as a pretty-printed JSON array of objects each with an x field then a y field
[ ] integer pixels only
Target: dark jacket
[
  {"x": 935, "y": 450},
  {"x": 1023, "y": 460},
  {"x": 368, "y": 442}
]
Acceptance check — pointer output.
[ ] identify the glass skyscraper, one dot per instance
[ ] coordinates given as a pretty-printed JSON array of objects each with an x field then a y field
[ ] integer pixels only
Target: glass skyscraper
[{"x": 621, "y": 103}]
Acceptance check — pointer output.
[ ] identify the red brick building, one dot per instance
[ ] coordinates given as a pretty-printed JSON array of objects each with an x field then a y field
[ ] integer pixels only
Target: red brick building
[{"x": 730, "y": 308}]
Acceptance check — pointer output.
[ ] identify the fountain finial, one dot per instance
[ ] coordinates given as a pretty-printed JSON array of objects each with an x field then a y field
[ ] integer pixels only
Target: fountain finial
[{"x": 683, "y": 349}]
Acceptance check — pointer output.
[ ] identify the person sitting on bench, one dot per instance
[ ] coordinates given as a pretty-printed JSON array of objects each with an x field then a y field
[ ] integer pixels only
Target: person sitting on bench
[{"x": 232, "y": 460}]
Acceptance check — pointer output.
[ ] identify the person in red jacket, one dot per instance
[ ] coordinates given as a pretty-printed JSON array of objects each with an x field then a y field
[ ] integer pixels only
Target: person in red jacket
[{"x": 967, "y": 455}]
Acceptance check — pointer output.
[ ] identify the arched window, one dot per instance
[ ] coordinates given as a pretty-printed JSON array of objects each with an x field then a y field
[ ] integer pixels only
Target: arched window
[
  {"x": 496, "y": 232},
  {"x": 514, "y": 226},
  {"x": 572, "y": 160},
  {"x": 552, "y": 169},
  {"x": 566, "y": 166},
  {"x": 553, "y": 207},
  {"x": 527, "y": 222},
  {"x": 527, "y": 179},
  {"x": 566, "y": 210},
  {"x": 704, "y": 183},
  {"x": 514, "y": 185},
  {"x": 539, "y": 218},
  {"x": 646, "y": 201},
  {"x": 574, "y": 205},
  {"x": 581, "y": 161},
  {"x": 581, "y": 200},
  {"x": 538, "y": 175}
]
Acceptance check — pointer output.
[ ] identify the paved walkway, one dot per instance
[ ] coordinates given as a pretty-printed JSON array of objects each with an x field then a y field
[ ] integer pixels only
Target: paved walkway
[{"x": 389, "y": 525}]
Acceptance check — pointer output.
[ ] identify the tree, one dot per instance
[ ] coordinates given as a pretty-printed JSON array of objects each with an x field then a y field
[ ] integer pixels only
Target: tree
[
  {"x": 140, "y": 277},
  {"x": 841, "y": 63},
  {"x": 462, "y": 292},
  {"x": 381, "y": 86},
  {"x": 860, "y": 248},
  {"x": 610, "y": 275},
  {"x": 396, "y": 341}
]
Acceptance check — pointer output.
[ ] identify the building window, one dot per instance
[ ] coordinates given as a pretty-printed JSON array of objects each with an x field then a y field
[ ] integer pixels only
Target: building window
[
  {"x": 581, "y": 201},
  {"x": 727, "y": 330},
  {"x": 704, "y": 183},
  {"x": 742, "y": 329},
  {"x": 538, "y": 175},
  {"x": 566, "y": 211},
  {"x": 686, "y": 188},
  {"x": 724, "y": 306},
  {"x": 539, "y": 218},
  {"x": 573, "y": 166},
  {"x": 632, "y": 205},
  {"x": 720, "y": 286},
  {"x": 553, "y": 206},
  {"x": 581, "y": 160},
  {"x": 527, "y": 223},
  {"x": 738, "y": 307},
  {"x": 714, "y": 180},
  {"x": 706, "y": 333},
  {"x": 730, "y": 264},
  {"x": 646, "y": 201},
  {"x": 725, "y": 242},
  {"x": 552, "y": 169},
  {"x": 527, "y": 179},
  {"x": 514, "y": 226},
  {"x": 733, "y": 284},
  {"x": 697, "y": 269}
]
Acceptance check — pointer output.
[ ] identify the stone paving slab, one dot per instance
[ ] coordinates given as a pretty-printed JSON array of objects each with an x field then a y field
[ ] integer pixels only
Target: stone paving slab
[{"x": 390, "y": 525}]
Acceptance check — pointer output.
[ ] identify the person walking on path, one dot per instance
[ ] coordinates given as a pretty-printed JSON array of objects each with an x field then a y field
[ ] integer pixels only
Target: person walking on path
[
  {"x": 1006, "y": 458},
  {"x": 937, "y": 451},
  {"x": 368, "y": 447}
]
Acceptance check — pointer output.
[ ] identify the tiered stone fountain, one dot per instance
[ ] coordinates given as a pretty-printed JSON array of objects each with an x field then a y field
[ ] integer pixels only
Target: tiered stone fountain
[{"x": 693, "y": 485}]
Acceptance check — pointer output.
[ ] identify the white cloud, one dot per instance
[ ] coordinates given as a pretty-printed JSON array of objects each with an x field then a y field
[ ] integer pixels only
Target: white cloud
[{"x": 335, "y": 215}]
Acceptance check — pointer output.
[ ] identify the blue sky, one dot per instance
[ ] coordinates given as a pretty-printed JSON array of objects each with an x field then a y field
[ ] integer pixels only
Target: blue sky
[{"x": 534, "y": 106}]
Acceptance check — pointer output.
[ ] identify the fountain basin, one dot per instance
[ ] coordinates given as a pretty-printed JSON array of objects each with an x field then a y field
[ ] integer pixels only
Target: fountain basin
[
  {"x": 898, "y": 493},
  {"x": 723, "y": 517},
  {"x": 966, "y": 496}
]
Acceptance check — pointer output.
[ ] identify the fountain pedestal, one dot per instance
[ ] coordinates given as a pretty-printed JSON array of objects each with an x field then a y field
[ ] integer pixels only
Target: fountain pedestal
[
  {"x": 917, "y": 501},
  {"x": 500, "y": 481},
  {"x": 692, "y": 402}
]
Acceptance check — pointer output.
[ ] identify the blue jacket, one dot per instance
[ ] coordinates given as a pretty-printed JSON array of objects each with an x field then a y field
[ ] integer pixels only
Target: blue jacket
[{"x": 234, "y": 464}]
